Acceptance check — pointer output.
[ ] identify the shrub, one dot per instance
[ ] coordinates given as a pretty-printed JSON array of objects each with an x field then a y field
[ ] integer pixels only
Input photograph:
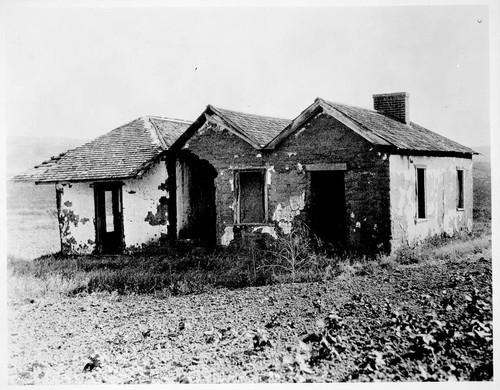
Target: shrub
[
  {"x": 408, "y": 254},
  {"x": 291, "y": 253}
]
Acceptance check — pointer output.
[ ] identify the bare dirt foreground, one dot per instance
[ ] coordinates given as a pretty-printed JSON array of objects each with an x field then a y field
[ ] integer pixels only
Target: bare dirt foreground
[{"x": 430, "y": 321}]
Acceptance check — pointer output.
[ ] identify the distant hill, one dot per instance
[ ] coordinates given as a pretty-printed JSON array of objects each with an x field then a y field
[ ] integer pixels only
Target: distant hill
[
  {"x": 485, "y": 153},
  {"x": 482, "y": 183},
  {"x": 24, "y": 153}
]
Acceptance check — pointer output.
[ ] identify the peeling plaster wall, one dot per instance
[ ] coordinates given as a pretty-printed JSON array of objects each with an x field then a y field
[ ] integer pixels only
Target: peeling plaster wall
[
  {"x": 145, "y": 207},
  {"x": 324, "y": 140},
  {"x": 144, "y": 203},
  {"x": 287, "y": 194},
  {"x": 441, "y": 198},
  {"x": 226, "y": 152},
  {"x": 76, "y": 218}
]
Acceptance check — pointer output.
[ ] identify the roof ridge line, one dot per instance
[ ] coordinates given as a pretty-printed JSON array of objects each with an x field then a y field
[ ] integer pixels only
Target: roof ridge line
[
  {"x": 366, "y": 109},
  {"x": 158, "y": 136},
  {"x": 349, "y": 105},
  {"x": 168, "y": 118},
  {"x": 248, "y": 113}
]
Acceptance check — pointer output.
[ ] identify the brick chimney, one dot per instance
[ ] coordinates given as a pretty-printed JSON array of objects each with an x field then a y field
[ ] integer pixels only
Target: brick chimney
[{"x": 393, "y": 105}]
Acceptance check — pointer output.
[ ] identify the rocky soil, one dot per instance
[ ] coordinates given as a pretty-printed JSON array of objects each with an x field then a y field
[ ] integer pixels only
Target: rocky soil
[{"x": 428, "y": 321}]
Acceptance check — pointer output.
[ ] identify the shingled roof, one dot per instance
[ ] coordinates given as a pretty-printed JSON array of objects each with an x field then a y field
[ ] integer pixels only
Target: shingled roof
[
  {"x": 130, "y": 149},
  {"x": 377, "y": 129},
  {"x": 122, "y": 153},
  {"x": 262, "y": 129},
  {"x": 407, "y": 137}
]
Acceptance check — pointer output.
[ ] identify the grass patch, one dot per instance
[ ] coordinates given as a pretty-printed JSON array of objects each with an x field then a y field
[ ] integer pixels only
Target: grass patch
[
  {"x": 183, "y": 270},
  {"x": 444, "y": 247}
]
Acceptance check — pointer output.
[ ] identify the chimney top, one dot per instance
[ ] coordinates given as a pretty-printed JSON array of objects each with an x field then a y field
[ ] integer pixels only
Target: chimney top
[{"x": 394, "y": 105}]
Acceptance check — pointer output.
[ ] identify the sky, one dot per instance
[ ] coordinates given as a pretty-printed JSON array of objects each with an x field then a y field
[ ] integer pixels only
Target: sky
[{"x": 81, "y": 72}]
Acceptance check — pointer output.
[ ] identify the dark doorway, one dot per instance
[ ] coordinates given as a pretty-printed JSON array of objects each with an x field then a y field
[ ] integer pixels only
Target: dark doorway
[
  {"x": 196, "y": 213},
  {"x": 109, "y": 218},
  {"x": 327, "y": 208}
]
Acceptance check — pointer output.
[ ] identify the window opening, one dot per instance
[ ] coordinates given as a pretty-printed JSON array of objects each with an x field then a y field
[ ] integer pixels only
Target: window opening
[
  {"x": 251, "y": 197},
  {"x": 460, "y": 200},
  {"x": 421, "y": 211}
]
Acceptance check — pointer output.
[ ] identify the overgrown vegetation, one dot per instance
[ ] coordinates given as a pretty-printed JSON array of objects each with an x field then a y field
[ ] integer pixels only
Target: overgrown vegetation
[{"x": 181, "y": 269}]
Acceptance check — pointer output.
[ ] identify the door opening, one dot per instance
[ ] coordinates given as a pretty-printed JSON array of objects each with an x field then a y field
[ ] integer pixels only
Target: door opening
[
  {"x": 328, "y": 208},
  {"x": 195, "y": 200},
  {"x": 109, "y": 218}
]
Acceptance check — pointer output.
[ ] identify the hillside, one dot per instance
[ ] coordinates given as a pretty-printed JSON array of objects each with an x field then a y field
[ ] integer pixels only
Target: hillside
[{"x": 482, "y": 183}]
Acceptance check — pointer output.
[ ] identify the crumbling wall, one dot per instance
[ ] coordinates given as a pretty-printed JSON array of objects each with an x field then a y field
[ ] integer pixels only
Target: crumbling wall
[
  {"x": 324, "y": 140},
  {"x": 287, "y": 195},
  {"x": 226, "y": 152},
  {"x": 76, "y": 217},
  {"x": 441, "y": 198},
  {"x": 145, "y": 199}
]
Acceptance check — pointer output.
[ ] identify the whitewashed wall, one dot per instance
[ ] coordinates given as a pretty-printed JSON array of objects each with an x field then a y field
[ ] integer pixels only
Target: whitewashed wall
[
  {"x": 441, "y": 198},
  {"x": 141, "y": 197},
  {"x": 76, "y": 218},
  {"x": 144, "y": 218}
]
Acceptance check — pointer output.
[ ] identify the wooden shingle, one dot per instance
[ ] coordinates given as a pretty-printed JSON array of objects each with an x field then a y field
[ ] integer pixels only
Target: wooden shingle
[{"x": 119, "y": 154}]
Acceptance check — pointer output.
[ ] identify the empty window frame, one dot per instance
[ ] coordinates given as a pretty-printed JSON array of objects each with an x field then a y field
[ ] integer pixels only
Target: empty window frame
[
  {"x": 251, "y": 195},
  {"x": 460, "y": 188},
  {"x": 420, "y": 190}
]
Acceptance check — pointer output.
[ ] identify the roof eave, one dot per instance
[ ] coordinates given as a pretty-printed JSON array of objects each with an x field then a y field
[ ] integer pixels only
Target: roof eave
[
  {"x": 97, "y": 179},
  {"x": 433, "y": 153}
]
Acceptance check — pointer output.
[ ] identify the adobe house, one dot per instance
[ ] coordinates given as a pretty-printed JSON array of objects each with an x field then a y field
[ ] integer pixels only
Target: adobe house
[
  {"x": 111, "y": 193},
  {"x": 367, "y": 180}
]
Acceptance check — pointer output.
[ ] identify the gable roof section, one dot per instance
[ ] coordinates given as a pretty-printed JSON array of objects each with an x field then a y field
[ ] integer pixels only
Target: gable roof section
[
  {"x": 124, "y": 152},
  {"x": 260, "y": 129},
  {"x": 376, "y": 128},
  {"x": 256, "y": 130}
]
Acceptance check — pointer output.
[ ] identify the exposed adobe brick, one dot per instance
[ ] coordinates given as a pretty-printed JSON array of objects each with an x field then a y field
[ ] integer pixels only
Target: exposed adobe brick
[{"x": 324, "y": 140}]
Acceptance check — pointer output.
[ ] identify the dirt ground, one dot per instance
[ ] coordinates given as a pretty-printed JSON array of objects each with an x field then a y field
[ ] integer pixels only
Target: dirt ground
[{"x": 244, "y": 335}]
